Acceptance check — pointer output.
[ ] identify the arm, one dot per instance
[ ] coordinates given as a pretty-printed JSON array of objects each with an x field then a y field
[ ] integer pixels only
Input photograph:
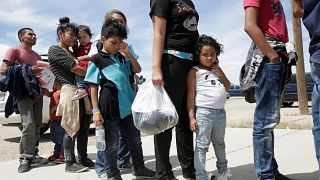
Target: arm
[
  {"x": 97, "y": 117},
  {"x": 78, "y": 70},
  {"x": 83, "y": 58},
  {"x": 4, "y": 66},
  {"x": 191, "y": 89},
  {"x": 252, "y": 29},
  {"x": 136, "y": 68},
  {"x": 297, "y": 8},
  {"x": 159, "y": 31},
  {"x": 65, "y": 61}
]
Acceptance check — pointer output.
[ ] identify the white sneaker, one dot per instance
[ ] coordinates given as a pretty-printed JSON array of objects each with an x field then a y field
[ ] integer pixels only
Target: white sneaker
[{"x": 222, "y": 176}]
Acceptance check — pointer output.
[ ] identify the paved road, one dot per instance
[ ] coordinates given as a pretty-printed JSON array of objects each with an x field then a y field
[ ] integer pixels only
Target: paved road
[{"x": 239, "y": 114}]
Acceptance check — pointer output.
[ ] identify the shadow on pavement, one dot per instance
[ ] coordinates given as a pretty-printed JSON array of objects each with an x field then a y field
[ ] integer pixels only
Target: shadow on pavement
[{"x": 247, "y": 172}]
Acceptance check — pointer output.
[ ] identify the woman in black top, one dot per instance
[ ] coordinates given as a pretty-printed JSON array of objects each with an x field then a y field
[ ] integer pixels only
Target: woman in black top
[{"x": 175, "y": 35}]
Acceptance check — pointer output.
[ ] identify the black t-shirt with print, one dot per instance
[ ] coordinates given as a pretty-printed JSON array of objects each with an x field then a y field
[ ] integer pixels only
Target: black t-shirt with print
[{"x": 182, "y": 21}]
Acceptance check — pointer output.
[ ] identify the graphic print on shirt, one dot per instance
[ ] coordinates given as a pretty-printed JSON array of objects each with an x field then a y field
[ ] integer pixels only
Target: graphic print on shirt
[
  {"x": 277, "y": 8},
  {"x": 190, "y": 23},
  {"x": 213, "y": 80}
]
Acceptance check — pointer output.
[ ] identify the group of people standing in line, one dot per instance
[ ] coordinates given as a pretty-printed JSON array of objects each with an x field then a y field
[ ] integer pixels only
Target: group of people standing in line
[{"x": 186, "y": 64}]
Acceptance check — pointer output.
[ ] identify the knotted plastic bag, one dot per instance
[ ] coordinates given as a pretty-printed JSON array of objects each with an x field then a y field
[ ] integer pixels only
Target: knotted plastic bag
[{"x": 153, "y": 111}]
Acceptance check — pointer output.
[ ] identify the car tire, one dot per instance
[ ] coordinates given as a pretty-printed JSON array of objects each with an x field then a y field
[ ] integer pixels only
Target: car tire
[
  {"x": 43, "y": 129},
  {"x": 287, "y": 103}
]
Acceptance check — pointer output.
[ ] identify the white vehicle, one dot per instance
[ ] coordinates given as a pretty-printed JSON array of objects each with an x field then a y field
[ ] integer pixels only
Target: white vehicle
[{"x": 15, "y": 119}]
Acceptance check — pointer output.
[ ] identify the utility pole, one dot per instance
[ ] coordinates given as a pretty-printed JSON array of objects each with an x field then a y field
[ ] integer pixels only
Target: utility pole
[{"x": 301, "y": 80}]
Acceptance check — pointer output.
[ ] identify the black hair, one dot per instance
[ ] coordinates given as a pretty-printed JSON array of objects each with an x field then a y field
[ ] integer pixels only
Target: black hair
[
  {"x": 112, "y": 27},
  {"x": 22, "y": 31},
  {"x": 86, "y": 29},
  {"x": 205, "y": 40},
  {"x": 65, "y": 25}
]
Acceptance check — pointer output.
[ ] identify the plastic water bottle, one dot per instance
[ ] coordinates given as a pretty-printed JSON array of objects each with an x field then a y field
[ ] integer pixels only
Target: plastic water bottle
[{"x": 100, "y": 138}]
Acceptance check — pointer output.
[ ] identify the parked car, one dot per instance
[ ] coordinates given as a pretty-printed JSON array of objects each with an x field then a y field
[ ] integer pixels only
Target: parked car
[
  {"x": 15, "y": 120},
  {"x": 291, "y": 93},
  {"x": 234, "y": 90}
]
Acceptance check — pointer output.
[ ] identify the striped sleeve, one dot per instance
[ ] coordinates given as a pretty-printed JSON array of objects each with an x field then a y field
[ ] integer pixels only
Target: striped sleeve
[{"x": 61, "y": 57}]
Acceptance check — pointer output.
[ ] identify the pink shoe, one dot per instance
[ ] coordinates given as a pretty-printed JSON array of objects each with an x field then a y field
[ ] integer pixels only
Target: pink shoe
[{"x": 80, "y": 93}]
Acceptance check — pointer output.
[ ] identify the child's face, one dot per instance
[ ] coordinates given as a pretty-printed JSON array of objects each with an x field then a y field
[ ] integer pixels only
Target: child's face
[
  {"x": 111, "y": 45},
  {"x": 83, "y": 37},
  {"x": 208, "y": 56}
]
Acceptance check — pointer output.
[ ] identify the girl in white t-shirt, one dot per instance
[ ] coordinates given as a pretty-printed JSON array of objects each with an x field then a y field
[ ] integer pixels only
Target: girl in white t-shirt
[{"x": 207, "y": 85}]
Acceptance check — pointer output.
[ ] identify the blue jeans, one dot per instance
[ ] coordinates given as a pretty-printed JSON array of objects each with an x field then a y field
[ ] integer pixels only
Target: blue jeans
[
  {"x": 315, "y": 74},
  {"x": 268, "y": 95},
  {"x": 131, "y": 134},
  {"x": 57, "y": 134},
  {"x": 80, "y": 82},
  {"x": 123, "y": 152},
  {"x": 123, "y": 155},
  {"x": 212, "y": 124}
]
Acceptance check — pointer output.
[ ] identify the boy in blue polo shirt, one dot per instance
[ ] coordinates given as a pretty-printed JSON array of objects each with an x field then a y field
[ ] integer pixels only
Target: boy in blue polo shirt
[{"x": 110, "y": 70}]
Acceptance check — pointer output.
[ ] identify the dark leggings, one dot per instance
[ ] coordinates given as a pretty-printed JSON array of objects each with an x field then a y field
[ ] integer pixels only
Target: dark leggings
[
  {"x": 82, "y": 137},
  {"x": 175, "y": 72}
]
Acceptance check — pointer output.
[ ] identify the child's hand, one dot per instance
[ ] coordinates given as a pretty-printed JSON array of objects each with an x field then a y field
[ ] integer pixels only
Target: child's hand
[
  {"x": 217, "y": 70},
  {"x": 124, "y": 48},
  {"x": 97, "y": 119},
  {"x": 193, "y": 125}
]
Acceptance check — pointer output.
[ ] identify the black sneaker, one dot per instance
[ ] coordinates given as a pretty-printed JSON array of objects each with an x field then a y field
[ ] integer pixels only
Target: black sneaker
[
  {"x": 25, "y": 165},
  {"x": 87, "y": 162},
  {"x": 38, "y": 160},
  {"x": 281, "y": 177},
  {"x": 143, "y": 173},
  {"x": 75, "y": 168},
  {"x": 189, "y": 176},
  {"x": 125, "y": 167}
]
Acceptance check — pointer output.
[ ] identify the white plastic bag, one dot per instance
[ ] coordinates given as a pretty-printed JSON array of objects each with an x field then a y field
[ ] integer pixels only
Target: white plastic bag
[{"x": 153, "y": 111}]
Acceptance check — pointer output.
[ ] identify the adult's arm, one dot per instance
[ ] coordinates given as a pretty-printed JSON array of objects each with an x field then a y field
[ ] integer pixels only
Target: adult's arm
[
  {"x": 78, "y": 70},
  {"x": 4, "y": 66},
  {"x": 159, "y": 32},
  {"x": 297, "y": 8},
  {"x": 252, "y": 29},
  {"x": 60, "y": 57},
  {"x": 191, "y": 89}
]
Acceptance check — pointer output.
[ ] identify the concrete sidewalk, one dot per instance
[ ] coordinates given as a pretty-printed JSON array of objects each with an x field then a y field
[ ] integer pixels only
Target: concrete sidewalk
[{"x": 294, "y": 151}]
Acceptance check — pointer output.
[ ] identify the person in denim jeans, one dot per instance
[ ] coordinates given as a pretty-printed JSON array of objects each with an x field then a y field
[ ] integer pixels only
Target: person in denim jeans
[
  {"x": 56, "y": 131},
  {"x": 310, "y": 11},
  {"x": 267, "y": 19},
  {"x": 110, "y": 70},
  {"x": 123, "y": 161},
  {"x": 207, "y": 85}
]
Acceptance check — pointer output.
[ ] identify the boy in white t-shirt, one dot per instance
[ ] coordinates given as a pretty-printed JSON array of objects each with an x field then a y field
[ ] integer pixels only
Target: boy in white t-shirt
[{"x": 207, "y": 85}]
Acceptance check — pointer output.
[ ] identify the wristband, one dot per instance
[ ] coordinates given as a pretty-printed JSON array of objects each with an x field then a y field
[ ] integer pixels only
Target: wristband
[
  {"x": 94, "y": 110},
  {"x": 95, "y": 113}
]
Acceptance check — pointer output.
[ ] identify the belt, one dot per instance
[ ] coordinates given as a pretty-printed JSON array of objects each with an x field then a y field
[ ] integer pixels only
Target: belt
[{"x": 179, "y": 54}]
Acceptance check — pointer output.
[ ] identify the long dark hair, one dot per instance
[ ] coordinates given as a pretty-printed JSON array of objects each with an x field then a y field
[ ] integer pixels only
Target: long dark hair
[{"x": 65, "y": 25}]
